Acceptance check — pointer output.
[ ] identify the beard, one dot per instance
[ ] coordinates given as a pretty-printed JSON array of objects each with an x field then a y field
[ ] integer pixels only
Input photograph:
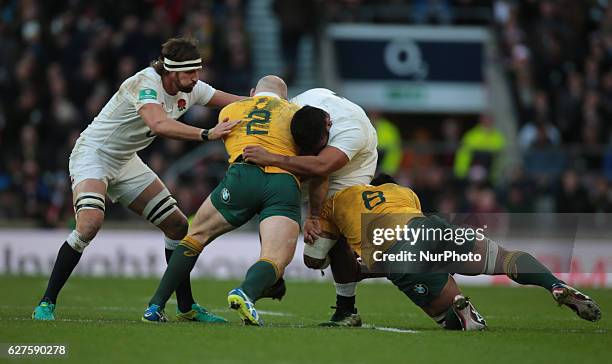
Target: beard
[{"x": 186, "y": 89}]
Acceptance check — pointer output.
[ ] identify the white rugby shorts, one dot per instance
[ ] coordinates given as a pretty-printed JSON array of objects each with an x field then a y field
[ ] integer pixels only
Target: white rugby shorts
[{"x": 124, "y": 181}]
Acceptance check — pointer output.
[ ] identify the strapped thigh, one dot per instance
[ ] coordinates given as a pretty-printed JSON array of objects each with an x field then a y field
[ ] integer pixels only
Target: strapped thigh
[
  {"x": 159, "y": 207},
  {"x": 89, "y": 201}
]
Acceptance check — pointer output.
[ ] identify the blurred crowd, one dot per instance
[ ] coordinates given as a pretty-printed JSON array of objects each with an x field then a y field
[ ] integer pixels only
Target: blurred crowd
[
  {"x": 60, "y": 62},
  {"x": 558, "y": 57}
]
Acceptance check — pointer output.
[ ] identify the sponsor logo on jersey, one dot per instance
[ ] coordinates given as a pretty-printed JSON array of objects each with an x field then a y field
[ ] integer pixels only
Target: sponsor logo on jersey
[
  {"x": 182, "y": 104},
  {"x": 420, "y": 289},
  {"x": 147, "y": 94},
  {"x": 225, "y": 194}
]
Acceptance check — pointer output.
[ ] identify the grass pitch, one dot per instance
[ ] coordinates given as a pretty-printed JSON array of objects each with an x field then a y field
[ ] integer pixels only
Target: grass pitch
[{"x": 100, "y": 321}]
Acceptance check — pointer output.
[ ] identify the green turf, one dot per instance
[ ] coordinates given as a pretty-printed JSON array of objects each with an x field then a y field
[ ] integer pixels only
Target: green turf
[{"x": 100, "y": 321}]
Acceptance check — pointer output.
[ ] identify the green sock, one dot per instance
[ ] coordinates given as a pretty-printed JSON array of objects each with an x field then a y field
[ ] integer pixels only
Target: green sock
[
  {"x": 180, "y": 265},
  {"x": 184, "y": 297},
  {"x": 524, "y": 269},
  {"x": 260, "y": 276}
]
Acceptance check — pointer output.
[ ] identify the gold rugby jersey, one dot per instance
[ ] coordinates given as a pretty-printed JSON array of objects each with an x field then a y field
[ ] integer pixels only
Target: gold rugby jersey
[
  {"x": 389, "y": 204},
  {"x": 266, "y": 121}
]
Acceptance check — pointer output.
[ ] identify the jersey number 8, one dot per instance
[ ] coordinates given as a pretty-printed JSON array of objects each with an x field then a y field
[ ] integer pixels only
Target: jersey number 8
[{"x": 371, "y": 199}]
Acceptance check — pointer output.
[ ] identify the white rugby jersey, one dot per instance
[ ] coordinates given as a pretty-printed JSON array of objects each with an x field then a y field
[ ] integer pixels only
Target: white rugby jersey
[
  {"x": 351, "y": 132},
  {"x": 118, "y": 132}
]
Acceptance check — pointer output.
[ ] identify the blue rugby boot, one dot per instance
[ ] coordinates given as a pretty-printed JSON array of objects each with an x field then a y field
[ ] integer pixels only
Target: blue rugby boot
[
  {"x": 240, "y": 302},
  {"x": 154, "y": 313}
]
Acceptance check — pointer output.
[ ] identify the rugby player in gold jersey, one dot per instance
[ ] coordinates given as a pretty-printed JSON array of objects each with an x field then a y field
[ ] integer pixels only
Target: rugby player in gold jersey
[
  {"x": 357, "y": 212},
  {"x": 248, "y": 190}
]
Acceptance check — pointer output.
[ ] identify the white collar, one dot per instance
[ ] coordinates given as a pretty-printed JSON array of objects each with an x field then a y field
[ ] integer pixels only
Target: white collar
[{"x": 265, "y": 93}]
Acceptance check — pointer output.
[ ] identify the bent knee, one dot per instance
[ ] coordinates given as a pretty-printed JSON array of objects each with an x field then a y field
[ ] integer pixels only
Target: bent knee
[
  {"x": 88, "y": 224},
  {"x": 175, "y": 226}
]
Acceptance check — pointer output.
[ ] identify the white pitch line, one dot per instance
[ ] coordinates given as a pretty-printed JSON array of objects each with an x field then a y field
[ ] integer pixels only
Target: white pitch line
[
  {"x": 264, "y": 312},
  {"x": 60, "y": 320},
  {"x": 274, "y": 313},
  {"x": 101, "y": 308},
  {"x": 393, "y": 329},
  {"x": 390, "y": 329}
]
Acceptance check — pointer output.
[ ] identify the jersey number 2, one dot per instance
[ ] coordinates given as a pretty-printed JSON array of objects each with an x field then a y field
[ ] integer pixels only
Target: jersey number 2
[
  {"x": 260, "y": 119},
  {"x": 371, "y": 199}
]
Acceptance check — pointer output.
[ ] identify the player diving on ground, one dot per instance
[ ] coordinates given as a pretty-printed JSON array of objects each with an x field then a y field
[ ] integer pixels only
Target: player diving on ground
[{"x": 356, "y": 212}]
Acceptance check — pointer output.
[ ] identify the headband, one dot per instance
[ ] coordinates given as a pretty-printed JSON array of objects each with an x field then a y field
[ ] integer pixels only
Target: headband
[{"x": 194, "y": 64}]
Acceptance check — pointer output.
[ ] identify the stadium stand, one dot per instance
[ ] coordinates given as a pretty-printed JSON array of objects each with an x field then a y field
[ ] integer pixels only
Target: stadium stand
[{"x": 61, "y": 61}]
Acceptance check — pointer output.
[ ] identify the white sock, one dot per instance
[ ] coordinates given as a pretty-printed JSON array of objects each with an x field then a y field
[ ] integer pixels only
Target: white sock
[
  {"x": 346, "y": 289},
  {"x": 171, "y": 244}
]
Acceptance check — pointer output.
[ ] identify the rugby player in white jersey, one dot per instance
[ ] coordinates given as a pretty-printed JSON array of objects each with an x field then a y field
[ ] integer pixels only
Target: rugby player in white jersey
[
  {"x": 104, "y": 162},
  {"x": 349, "y": 159}
]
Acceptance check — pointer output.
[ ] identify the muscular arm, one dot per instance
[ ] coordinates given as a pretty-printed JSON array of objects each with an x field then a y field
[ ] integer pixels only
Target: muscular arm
[
  {"x": 221, "y": 99},
  {"x": 329, "y": 160},
  {"x": 160, "y": 124},
  {"x": 317, "y": 191}
]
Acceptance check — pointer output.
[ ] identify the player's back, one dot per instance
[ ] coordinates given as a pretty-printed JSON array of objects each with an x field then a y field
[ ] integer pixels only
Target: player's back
[
  {"x": 329, "y": 101},
  {"x": 392, "y": 205},
  {"x": 351, "y": 132},
  {"x": 266, "y": 121},
  {"x": 382, "y": 199}
]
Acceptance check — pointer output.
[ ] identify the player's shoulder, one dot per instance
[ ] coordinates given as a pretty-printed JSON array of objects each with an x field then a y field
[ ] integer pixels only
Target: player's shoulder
[
  {"x": 346, "y": 126},
  {"x": 242, "y": 103},
  {"x": 253, "y": 101},
  {"x": 364, "y": 191},
  {"x": 385, "y": 187},
  {"x": 352, "y": 190},
  {"x": 317, "y": 91},
  {"x": 202, "y": 86},
  {"x": 238, "y": 106},
  {"x": 310, "y": 97},
  {"x": 354, "y": 129},
  {"x": 146, "y": 78},
  {"x": 292, "y": 106},
  {"x": 390, "y": 187},
  {"x": 201, "y": 94},
  {"x": 394, "y": 189},
  {"x": 148, "y": 74}
]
